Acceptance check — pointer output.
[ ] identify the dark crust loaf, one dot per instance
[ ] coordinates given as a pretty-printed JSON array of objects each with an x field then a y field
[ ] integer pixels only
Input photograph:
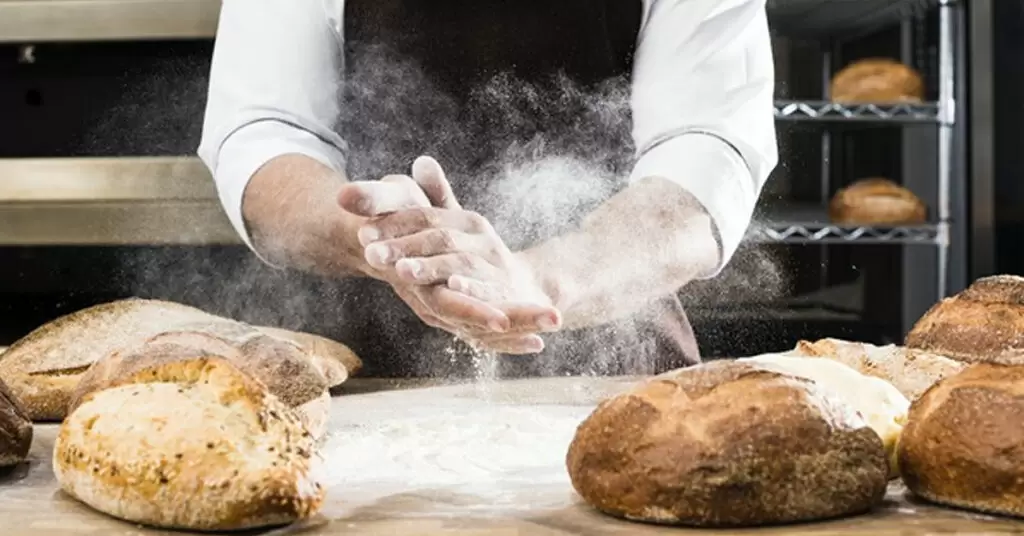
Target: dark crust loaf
[
  {"x": 727, "y": 444},
  {"x": 963, "y": 445},
  {"x": 15, "y": 429},
  {"x": 984, "y": 323}
]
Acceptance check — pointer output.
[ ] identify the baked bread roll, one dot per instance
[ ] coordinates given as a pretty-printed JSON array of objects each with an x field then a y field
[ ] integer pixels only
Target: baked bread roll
[
  {"x": 984, "y": 323},
  {"x": 727, "y": 444},
  {"x": 964, "y": 442},
  {"x": 336, "y": 361},
  {"x": 877, "y": 80},
  {"x": 279, "y": 366},
  {"x": 909, "y": 370},
  {"x": 15, "y": 429},
  {"x": 876, "y": 201},
  {"x": 189, "y": 445},
  {"x": 44, "y": 367}
]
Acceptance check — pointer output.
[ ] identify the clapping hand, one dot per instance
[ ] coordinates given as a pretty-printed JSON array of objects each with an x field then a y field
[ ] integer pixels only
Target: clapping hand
[{"x": 447, "y": 263}]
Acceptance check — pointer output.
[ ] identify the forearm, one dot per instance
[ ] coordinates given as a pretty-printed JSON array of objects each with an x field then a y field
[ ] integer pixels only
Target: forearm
[
  {"x": 291, "y": 210},
  {"x": 645, "y": 243}
]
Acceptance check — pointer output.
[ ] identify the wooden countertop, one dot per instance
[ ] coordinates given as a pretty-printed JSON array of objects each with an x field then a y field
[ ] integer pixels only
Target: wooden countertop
[{"x": 410, "y": 458}]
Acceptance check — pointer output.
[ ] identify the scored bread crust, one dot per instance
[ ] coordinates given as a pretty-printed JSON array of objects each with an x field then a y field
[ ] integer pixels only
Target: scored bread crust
[
  {"x": 277, "y": 366},
  {"x": 727, "y": 444},
  {"x": 909, "y": 370},
  {"x": 877, "y": 80},
  {"x": 337, "y": 360},
  {"x": 984, "y": 323},
  {"x": 876, "y": 201},
  {"x": 190, "y": 445},
  {"x": 964, "y": 443},
  {"x": 44, "y": 367}
]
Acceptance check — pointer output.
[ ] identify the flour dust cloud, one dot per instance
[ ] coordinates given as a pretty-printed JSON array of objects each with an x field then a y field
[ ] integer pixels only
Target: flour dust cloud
[{"x": 533, "y": 157}]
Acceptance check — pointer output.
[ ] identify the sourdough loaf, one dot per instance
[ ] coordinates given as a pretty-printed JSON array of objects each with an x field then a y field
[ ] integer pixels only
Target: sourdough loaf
[
  {"x": 44, "y": 367},
  {"x": 279, "y": 366},
  {"x": 727, "y": 443},
  {"x": 909, "y": 370},
  {"x": 15, "y": 429},
  {"x": 984, "y": 323},
  {"x": 193, "y": 445},
  {"x": 876, "y": 201},
  {"x": 963, "y": 445},
  {"x": 877, "y": 80}
]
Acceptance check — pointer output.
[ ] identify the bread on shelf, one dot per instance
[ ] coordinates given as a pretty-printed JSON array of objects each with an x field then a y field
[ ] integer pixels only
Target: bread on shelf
[
  {"x": 876, "y": 201},
  {"x": 877, "y": 80}
]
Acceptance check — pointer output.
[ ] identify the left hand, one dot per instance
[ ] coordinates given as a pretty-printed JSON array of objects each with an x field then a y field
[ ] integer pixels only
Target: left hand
[{"x": 460, "y": 250}]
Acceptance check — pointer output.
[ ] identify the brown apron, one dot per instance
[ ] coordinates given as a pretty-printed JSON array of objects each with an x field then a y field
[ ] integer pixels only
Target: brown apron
[{"x": 525, "y": 103}]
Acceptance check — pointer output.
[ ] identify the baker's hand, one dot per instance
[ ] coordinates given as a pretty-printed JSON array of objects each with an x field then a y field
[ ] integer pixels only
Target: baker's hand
[{"x": 477, "y": 285}]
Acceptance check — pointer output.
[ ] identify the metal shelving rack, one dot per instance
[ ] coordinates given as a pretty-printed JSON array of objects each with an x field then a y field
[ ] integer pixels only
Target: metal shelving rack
[{"x": 942, "y": 113}]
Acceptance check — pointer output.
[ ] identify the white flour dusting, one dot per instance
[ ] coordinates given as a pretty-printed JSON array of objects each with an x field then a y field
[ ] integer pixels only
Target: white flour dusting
[{"x": 486, "y": 455}]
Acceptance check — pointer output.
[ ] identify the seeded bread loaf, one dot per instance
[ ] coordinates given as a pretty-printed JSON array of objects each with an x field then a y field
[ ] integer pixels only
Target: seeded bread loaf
[{"x": 190, "y": 445}]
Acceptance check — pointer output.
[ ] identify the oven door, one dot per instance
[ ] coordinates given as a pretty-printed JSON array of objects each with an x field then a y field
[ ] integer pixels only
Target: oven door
[{"x": 101, "y": 196}]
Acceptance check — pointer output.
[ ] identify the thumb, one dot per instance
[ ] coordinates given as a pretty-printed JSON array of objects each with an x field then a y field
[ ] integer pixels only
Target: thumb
[
  {"x": 376, "y": 198},
  {"x": 430, "y": 176}
]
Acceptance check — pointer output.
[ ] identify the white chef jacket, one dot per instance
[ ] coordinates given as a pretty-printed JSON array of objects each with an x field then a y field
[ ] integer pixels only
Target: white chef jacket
[{"x": 702, "y": 91}]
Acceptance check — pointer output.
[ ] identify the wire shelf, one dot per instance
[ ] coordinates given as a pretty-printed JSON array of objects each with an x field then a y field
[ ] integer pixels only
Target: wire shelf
[
  {"x": 823, "y": 233},
  {"x": 927, "y": 112},
  {"x": 825, "y": 19}
]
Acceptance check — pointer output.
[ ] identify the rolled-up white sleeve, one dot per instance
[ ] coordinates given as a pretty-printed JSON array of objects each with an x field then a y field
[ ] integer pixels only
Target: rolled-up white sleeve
[
  {"x": 274, "y": 85},
  {"x": 703, "y": 85}
]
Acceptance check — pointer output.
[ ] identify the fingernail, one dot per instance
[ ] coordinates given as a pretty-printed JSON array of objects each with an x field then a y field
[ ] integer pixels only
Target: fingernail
[
  {"x": 536, "y": 344},
  {"x": 415, "y": 267},
  {"x": 368, "y": 235},
  {"x": 546, "y": 323},
  {"x": 379, "y": 254}
]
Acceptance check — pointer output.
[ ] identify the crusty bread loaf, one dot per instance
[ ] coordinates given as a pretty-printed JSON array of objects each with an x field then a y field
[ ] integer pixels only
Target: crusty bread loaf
[
  {"x": 964, "y": 441},
  {"x": 876, "y": 201},
  {"x": 44, "y": 367},
  {"x": 910, "y": 370},
  {"x": 727, "y": 444},
  {"x": 877, "y": 401},
  {"x": 278, "y": 365},
  {"x": 877, "y": 80},
  {"x": 193, "y": 445},
  {"x": 336, "y": 361},
  {"x": 15, "y": 429},
  {"x": 984, "y": 323}
]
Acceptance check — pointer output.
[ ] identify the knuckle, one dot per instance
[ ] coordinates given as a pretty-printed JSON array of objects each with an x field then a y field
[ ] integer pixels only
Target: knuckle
[
  {"x": 445, "y": 239},
  {"x": 425, "y": 217},
  {"x": 477, "y": 223}
]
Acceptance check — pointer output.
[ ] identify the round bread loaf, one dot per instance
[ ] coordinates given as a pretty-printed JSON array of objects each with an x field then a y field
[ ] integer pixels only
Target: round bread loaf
[
  {"x": 15, "y": 429},
  {"x": 963, "y": 445},
  {"x": 190, "y": 444},
  {"x": 877, "y": 80},
  {"x": 876, "y": 201},
  {"x": 984, "y": 323},
  {"x": 727, "y": 444}
]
